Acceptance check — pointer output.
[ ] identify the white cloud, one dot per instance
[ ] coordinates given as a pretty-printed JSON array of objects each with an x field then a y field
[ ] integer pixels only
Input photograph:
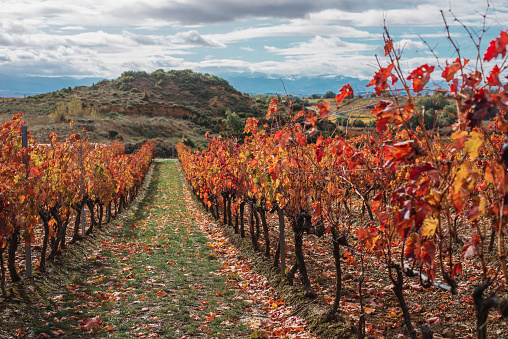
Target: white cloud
[
  {"x": 194, "y": 38},
  {"x": 73, "y": 28},
  {"x": 320, "y": 46},
  {"x": 441, "y": 35},
  {"x": 408, "y": 44},
  {"x": 295, "y": 28},
  {"x": 301, "y": 37}
]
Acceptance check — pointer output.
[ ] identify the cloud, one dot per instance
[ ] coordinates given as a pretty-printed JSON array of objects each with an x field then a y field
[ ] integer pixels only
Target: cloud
[
  {"x": 407, "y": 44},
  {"x": 192, "y": 12},
  {"x": 431, "y": 35},
  {"x": 295, "y": 28},
  {"x": 73, "y": 28},
  {"x": 151, "y": 13},
  {"x": 143, "y": 39},
  {"x": 194, "y": 38},
  {"x": 320, "y": 46},
  {"x": 319, "y": 37}
]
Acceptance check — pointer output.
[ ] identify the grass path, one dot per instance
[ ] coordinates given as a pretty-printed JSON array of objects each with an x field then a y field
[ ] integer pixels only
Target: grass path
[{"x": 152, "y": 275}]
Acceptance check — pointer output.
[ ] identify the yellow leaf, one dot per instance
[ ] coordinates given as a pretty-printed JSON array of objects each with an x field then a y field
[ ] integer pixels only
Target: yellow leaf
[
  {"x": 434, "y": 198},
  {"x": 478, "y": 207},
  {"x": 274, "y": 305},
  {"x": 429, "y": 227},
  {"x": 473, "y": 144},
  {"x": 464, "y": 177}
]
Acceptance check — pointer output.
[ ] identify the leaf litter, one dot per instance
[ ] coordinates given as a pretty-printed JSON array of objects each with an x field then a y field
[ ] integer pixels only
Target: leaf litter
[{"x": 162, "y": 269}]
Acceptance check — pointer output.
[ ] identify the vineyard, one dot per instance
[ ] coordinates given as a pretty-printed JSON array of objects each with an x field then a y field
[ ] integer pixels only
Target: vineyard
[
  {"x": 49, "y": 191},
  {"x": 405, "y": 227}
]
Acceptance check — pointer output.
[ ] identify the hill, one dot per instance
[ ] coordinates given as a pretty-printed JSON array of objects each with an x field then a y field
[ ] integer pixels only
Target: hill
[{"x": 135, "y": 107}]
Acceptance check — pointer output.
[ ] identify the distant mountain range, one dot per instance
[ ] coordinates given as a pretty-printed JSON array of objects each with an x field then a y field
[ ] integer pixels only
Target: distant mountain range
[
  {"x": 11, "y": 86},
  {"x": 252, "y": 84},
  {"x": 298, "y": 86}
]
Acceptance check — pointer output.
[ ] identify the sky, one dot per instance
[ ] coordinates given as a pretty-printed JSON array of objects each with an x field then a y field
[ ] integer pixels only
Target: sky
[{"x": 273, "y": 38}]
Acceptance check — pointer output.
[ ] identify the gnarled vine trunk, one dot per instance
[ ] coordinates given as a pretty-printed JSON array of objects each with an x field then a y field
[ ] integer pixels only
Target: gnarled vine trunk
[{"x": 11, "y": 260}]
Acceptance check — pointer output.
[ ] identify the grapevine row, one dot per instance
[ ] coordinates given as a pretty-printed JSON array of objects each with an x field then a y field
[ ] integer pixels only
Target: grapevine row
[
  {"x": 51, "y": 184},
  {"x": 430, "y": 204}
]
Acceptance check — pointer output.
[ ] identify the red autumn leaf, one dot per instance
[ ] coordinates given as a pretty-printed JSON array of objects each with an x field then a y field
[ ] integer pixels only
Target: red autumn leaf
[
  {"x": 356, "y": 160},
  {"x": 471, "y": 248},
  {"x": 480, "y": 106},
  {"x": 362, "y": 234},
  {"x": 412, "y": 247},
  {"x": 454, "y": 86},
  {"x": 493, "y": 78},
  {"x": 376, "y": 202},
  {"x": 388, "y": 46},
  {"x": 420, "y": 77},
  {"x": 496, "y": 47},
  {"x": 428, "y": 253},
  {"x": 88, "y": 324},
  {"x": 317, "y": 209},
  {"x": 380, "y": 80},
  {"x": 319, "y": 153},
  {"x": 431, "y": 273},
  {"x": 271, "y": 109},
  {"x": 345, "y": 92},
  {"x": 457, "y": 269},
  {"x": 451, "y": 69},
  {"x": 407, "y": 150},
  {"x": 386, "y": 112},
  {"x": 472, "y": 79},
  {"x": 320, "y": 140},
  {"x": 311, "y": 119},
  {"x": 34, "y": 172},
  {"x": 417, "y": 170},
  {"x": 301, "y": 138},
  {"x": 324, "y": 109},
  {"x": 404, "y": 226},
  {"x": 338, "y": 148},
  {"x": 384, "y": 220},
  {"x": 398, "y": 151}
]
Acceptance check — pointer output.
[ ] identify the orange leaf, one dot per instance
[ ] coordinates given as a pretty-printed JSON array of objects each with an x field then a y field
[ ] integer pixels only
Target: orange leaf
[{"x": 451, "y": 69}]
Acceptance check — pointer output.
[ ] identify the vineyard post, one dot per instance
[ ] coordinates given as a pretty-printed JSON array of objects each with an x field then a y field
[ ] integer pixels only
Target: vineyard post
[
  {"x": 81, "y": 189},
  {"x": 282, "y": 242},
  {"x": 28, "y": 248}
]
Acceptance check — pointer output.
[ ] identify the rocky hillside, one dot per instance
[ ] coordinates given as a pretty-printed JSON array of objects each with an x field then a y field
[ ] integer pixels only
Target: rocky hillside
[{"x": 135, "y": 107}]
